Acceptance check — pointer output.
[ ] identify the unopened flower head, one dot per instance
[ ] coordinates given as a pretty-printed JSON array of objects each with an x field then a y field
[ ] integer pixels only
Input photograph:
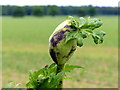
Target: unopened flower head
[{"x": 70, "y": 34}]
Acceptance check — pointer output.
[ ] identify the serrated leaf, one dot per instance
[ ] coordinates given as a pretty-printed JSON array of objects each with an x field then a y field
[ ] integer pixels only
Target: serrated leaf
[
  {"x": 69, "y": 17},
  {"x": 33, "y": 81},
  {"x": 41, "y": 78},
  {"x": 92, "y": 24},
  {"x": 56, "y": 80},
  {"x": 97, "y": 39},
  {"x": 89, "y": 31},
  {"x": 40, "y": 71},
  {"x": 98, "y": 36},
  {"x": 100, "y": 33},
  {"x": 69, "y": 68},
  {"x": 52, "y": 65},
  {"x": 79, "y": 42},
  {"x": 16, "y": 86},
  {"x": 101, "y": 40},
  {"x": 83, "y": 34},
  {"x": 28, "y": 85},
  {"x": 82, "y": 21},
  {"x": 44, "y": 83},
  {"x": 51, "y": 69},
  {"x": 34, "y": 76},
  {"x": 70, "y": 36}
]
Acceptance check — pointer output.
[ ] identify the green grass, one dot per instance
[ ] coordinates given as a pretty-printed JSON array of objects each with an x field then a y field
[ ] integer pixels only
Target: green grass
[{"x": 25, "y": 48}]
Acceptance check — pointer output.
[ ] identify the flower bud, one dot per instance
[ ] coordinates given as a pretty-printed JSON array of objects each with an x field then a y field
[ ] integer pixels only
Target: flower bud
[{"x": 61, "y": 51}]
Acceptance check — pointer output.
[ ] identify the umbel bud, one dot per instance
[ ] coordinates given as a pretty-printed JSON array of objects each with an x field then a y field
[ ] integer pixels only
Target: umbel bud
[
  {"x": 61, "y": 51},
  {"x": 70, "y": 34}
]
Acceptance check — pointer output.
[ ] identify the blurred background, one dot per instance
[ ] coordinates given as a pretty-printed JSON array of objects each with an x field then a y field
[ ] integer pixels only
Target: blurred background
[{"x": 26, "y": 27}]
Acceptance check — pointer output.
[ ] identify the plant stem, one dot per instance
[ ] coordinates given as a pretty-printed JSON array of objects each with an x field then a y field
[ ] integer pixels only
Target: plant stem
[{"x": 59, "y": 69}]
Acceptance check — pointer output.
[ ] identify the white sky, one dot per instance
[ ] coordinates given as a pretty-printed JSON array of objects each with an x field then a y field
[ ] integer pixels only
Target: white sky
[{"x": 61, "y": 2}]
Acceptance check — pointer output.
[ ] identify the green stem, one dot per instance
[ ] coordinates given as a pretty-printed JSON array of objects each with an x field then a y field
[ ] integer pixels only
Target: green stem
[{"x": 59, "y": 69}]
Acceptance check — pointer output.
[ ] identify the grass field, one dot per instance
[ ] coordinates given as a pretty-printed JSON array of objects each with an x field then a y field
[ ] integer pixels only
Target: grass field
[{"x": 25, "y": 48}]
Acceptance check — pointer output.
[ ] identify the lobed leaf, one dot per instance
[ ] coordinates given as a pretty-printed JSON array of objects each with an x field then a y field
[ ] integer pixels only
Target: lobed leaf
[
  {"x": 85, "y": 29},
  {"x": 82, "y": 21},
  {"x": 55, "y": 81},
  {"x": 44, "y": 78},
  {"x": 69, "y": 68},
  {"x": 79, "y": 42}
]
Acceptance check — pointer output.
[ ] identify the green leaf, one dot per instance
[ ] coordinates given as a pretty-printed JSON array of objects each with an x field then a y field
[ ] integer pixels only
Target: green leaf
[
  {"x": 87, "y": 28},
  {"x": 16, "y": 86},
  {"x": 98, "y": 39},
  {"x": 70, "y": 17},
  {"x": 84, "y": 29},
  {"x": 100, "y": 33},
  {"x": 70, "y": 36},
  {"x": 79, "y": 42},
  {"x": 82, "y": 21},
  {"x": 29, "y": 85},
  {"x": 84, "y": 24},
  {"x": 56, "y": 80},
  {"x": 44, "y": 84},
  {"x": 95, "y": 23},
  {"x": 84, "y": 34},
  {"x": 79, "y": 38},
  {"x": 73, "y": 22},
  {"x": 91, "y": 24},
  {"x": 69, "y": 68},
  {"x": 52, "y": 68},
  {"x": 42, "y": 78},
  {"x": 35, "y": 74},
  {"x": 88, "y": 31},
  {"x": 95, "y": 37}
]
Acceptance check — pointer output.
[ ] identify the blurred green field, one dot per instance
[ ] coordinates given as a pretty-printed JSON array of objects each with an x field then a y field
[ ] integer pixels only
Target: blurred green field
[{"x": 25, "y": 48}]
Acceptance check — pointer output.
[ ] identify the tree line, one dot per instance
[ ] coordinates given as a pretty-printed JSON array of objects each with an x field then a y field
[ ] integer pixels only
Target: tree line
[{"x": 53, "y": 10}]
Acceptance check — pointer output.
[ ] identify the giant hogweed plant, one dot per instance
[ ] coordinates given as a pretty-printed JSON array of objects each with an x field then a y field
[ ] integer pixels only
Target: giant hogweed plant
[
  {"x": 62, "y": 44},
  {"x": 70, "y": 34}
]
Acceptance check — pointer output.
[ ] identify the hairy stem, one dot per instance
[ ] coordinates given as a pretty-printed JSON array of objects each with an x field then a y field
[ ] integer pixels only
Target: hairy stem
[{"x": 59, "y": 69}]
